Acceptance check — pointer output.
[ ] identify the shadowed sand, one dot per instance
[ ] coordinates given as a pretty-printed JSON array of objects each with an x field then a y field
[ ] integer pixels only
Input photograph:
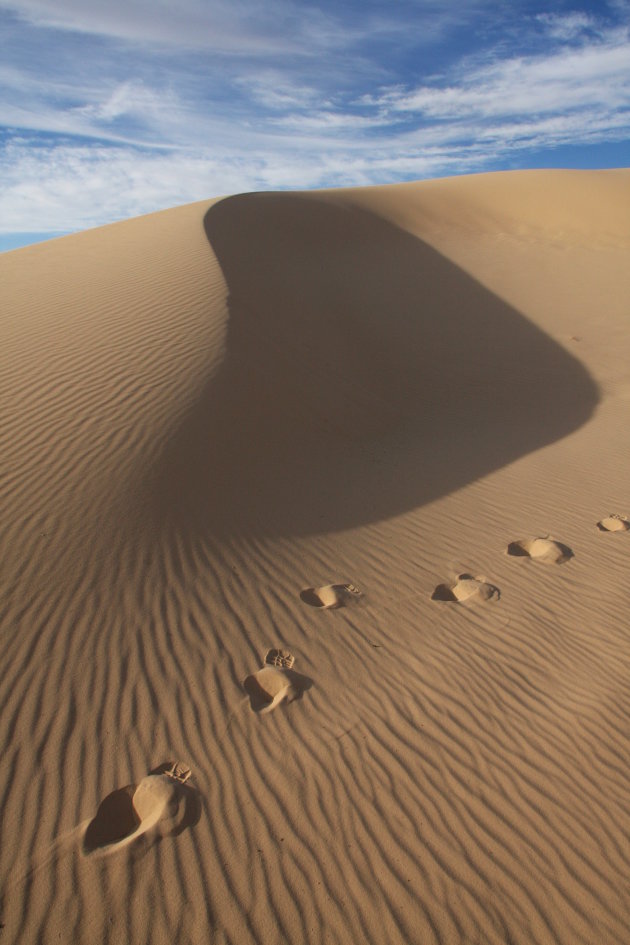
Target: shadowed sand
[
  {"x": 365, "y": 374},
  {"x": 207, "y": 413}
]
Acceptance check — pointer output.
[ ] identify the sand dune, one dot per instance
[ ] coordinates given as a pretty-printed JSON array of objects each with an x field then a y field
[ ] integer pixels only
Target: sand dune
[{"x": 320, "y": 453}]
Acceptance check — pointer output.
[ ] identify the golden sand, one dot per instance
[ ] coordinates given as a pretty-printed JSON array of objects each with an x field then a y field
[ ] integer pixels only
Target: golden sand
[{"x": 244, "y": 445}]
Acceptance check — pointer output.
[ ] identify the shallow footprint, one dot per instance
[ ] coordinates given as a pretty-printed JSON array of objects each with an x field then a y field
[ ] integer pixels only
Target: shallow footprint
[
  {"x": 541, "y": 549},
  {"x": 129, "y": 812},
  {"x": 330, "y": 596},
  {"x": 276, "y": 682},
  {"x": 276, "y": 657},
  {"x": 465, "y": 588},
  {"x": 614, "y": 523}
]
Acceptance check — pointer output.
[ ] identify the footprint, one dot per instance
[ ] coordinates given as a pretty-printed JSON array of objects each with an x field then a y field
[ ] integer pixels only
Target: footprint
[
  {"x": 541, "y": 549},
  {"x": 276, "y": 682},
  {"x": 279, "y": 658},
  {"x": 330, "y": 596},
  {"x": 465, "y": 588},
  {"x": 162, "y": 797},
  {"x": 614, "y": 523}
]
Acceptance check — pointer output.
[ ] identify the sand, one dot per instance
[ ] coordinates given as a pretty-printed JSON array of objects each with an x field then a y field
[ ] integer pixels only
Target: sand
[{"x": 313, "y": 425}]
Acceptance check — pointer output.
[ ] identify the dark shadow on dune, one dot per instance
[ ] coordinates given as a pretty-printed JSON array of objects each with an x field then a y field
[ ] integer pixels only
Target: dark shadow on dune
[{"x": 365, "y": 374}]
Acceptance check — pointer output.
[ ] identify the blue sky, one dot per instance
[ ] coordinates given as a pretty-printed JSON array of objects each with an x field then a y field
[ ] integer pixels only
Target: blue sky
[{"x": 114, "y": 108}]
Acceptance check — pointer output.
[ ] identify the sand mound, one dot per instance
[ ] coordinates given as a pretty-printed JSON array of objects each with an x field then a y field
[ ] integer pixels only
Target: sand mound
[
  {"x": 466, "y": 587},
  {"x": 541, "y": 549},
  {"x": 330, "y": 596},
  {"x": 128, "y": 813},
  {"x": 206, "y": 411},
  {"x": 274, "y": 684},
  {"x": 614, "y": 523}
]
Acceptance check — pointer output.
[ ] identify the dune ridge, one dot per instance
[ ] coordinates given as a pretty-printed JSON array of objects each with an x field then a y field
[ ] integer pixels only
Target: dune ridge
[{"x": 209, "y": 410}]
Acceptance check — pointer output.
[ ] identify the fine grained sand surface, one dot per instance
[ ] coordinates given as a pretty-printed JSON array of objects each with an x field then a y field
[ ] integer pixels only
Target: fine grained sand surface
[{"x": 262, "y": 462}]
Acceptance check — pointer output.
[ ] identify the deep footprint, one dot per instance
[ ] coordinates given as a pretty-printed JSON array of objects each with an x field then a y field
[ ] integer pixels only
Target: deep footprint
[
  {"x": 540, "y": 549},
  {"x": 129, "y": 812},
  {"x": 614, "y": 523},
  {"x": 276, "y": 682},
  {"x": 465, "y": 588},
  {"x": 330, "y": 596}
]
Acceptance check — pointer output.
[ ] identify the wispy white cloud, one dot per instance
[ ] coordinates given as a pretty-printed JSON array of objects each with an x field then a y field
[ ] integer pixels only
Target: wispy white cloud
[
  {"x": 567, "y": 26},
  {"x": 84, "y": 121},
  {"x": 561, "y": 81},
  {"x": 246, "y": 27},
  {"x": 331, "y": 121},
  {"x": 278, "y": 92},
  {"x": 85, "y": 186},
  {"x": 128, "y": 99}
]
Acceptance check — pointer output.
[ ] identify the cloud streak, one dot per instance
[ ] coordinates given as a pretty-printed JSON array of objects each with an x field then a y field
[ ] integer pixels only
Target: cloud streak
[{"x": 558, "y": 82}]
